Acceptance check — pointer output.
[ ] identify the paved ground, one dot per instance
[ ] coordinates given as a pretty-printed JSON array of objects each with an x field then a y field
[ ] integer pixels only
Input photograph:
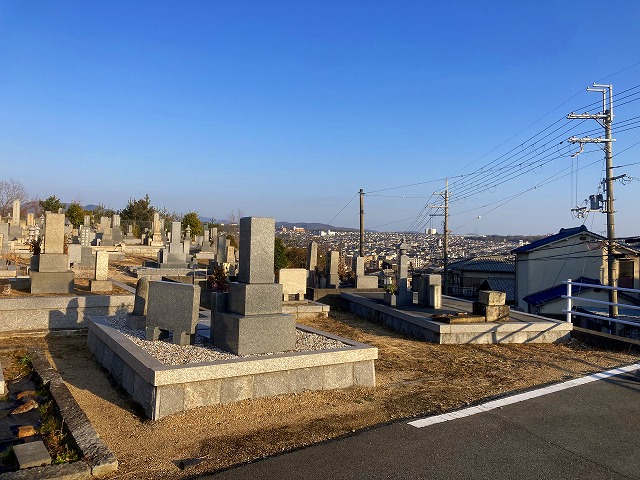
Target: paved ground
[{"x": 587, "y": 432}]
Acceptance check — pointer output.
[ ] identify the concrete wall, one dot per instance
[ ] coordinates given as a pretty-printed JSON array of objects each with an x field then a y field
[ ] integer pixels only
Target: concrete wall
[{"x": 58, "y": 312}]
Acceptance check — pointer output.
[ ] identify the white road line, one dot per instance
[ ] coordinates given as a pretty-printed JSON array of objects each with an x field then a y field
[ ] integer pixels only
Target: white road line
[{"x": 521, "y": 397}]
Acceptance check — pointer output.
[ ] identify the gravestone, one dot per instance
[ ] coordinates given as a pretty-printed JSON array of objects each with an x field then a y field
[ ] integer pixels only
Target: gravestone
[
  {"x": 50, "y": 270},
  {"x": 172, "y": 307},
  {"x": 106, "y": 237},
  {"x": 252, "y": 321},
  {"x": 116, "y": 230},
  {"x": 362, "y": 280},
  {"x": 75, "y": 254},
  {"x": 174, "y": 255},
  {"x": 491, "y": 304},
  {"x": 4, "y": 231},
  {"x": 156, "y": 233},
  {"x": 221, "y": 250},
  {"x": 333, "y": 279},
  {"x": 101, "y": 282},
  {"x": 137, "y": 319},
  {"x": 430, "y": 291},
  {"x": 294, "y": 283},
  {"x": 213, "y": 239},
  {"x": 312, "y": 263},
  {"x": 404, "y": 295},
  {"x": 15, "y": 219},
  {"x": 15, "y": 230},
  {"x": 206, "y": 240},
  {"x": 31, "y": 221},
  {"x": 86, "y": 235}
]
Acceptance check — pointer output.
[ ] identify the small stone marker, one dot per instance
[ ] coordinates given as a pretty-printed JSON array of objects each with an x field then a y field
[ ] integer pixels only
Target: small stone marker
[
  {"x": 32, "y": 454},
  {"x": 294, "y": 283},
  {"x": 142, "y": 294},
  {"x": 430, "y": 291},
  {"x": 491, "y": 304},
  {"x": 101, "y": 282},
  {"x": 173, "y": 307}
]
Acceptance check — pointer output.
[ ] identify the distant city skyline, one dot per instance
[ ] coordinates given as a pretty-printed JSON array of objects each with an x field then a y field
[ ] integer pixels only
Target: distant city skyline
[{"x": 286, "y": 110}]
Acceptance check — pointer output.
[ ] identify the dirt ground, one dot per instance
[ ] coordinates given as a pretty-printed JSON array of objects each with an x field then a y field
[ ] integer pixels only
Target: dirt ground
[{"x": 413, "y": 378}]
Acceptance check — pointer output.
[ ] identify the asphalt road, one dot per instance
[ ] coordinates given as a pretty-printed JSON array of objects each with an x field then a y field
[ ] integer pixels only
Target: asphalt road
[{"x": 587, "y": 432}]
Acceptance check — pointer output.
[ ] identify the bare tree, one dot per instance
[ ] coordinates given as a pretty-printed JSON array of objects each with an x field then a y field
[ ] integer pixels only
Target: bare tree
[
  {"x": 234, "y": 216},
  {"x": 9, "y": 191}
]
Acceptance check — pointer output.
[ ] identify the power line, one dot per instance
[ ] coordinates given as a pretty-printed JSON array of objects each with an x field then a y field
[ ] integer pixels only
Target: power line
[{"x": 342, "y": 209}]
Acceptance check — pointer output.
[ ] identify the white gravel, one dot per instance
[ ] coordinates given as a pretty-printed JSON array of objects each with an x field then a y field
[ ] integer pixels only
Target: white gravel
[{"x": 169, "y": 354}]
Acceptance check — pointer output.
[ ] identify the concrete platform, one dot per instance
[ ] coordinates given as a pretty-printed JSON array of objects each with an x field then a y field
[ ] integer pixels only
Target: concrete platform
[
  {"x": 162, "y": 390},
  {"x": 305, "y": 309},
  {"x": 421, "y": 323}
]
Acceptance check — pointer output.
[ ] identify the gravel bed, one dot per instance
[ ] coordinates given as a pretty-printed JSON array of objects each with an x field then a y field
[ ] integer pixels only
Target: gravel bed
[{"x": 169, "y": 354}]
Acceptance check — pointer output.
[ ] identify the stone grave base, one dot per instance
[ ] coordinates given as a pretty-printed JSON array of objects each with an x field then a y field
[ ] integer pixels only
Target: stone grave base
[
  {"x": 52, "y": 282},
  {"x": 162, "y": 390},
  {"x": 424, "y": 324},
  {"x": 100, "y": 285},
  {"x": 245, "y": 335},
  {"x": 302, "y": 309}
]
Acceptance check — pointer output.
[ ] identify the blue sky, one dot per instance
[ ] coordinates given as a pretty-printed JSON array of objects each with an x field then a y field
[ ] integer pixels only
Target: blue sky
[{"x": 287, "y": 108}]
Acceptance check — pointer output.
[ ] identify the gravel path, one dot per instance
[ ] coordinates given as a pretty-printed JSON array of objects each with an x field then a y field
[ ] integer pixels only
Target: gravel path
[{"x": 170, "y": 354}]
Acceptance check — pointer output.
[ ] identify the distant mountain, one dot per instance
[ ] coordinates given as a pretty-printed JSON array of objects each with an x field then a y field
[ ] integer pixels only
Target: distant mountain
[{"x": 315, "y": 226}]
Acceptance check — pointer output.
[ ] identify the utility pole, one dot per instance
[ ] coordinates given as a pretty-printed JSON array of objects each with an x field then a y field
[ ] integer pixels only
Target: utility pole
[
  {"x": 605, "y": 119},
  {"x": 361, "y": 223},
  {"x": 445, "y": 243}
]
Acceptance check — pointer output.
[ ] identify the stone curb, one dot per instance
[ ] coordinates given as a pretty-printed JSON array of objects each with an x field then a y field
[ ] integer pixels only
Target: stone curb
[
  {"x": 101, "y": 461},
  {"x": 65, "y": 471}
]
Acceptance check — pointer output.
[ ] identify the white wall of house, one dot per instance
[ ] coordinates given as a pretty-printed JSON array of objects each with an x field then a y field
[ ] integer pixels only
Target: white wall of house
[
  {"x": 581, "y": 255},
  {"x": 547, "y": 266}
]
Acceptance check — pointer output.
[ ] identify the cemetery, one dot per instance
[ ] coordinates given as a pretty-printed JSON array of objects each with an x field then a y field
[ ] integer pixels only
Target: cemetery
[{"x": 181, "y": 325}]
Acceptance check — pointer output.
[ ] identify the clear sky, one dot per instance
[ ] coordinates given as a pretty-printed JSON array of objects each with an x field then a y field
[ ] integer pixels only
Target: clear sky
[{"x": 287, "y": 108}]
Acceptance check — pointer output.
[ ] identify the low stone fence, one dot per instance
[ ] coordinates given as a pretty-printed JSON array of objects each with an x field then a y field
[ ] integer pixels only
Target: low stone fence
[
  {"x": 162, "y": 390},
  {"x": 58, "y": 312},
  {"x": 523, "y": 328}
]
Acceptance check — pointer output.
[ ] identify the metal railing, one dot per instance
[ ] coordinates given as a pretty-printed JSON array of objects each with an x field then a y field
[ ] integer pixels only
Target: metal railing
[{"x": 570, "y": 299}]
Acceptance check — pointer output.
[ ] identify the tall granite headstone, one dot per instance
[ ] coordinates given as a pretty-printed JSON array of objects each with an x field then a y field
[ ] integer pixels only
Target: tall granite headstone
[
  {"x": 332, "y": 268},
  {"x": 405, "y": 295},
  {"x": 312, "y": 263},
  {"x": 50, "y": 270},
  {"x": 252, "y": 321}
]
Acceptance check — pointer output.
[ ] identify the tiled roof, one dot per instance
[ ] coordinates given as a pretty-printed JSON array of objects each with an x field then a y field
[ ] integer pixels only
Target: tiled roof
[
  {"x": 562, "y": 234},
  {"x": 484, "y": 264},
  {"x": 566, "y": 233},
  {"x": 554, "y": 293},
  {"x": 506, "y": 285}
]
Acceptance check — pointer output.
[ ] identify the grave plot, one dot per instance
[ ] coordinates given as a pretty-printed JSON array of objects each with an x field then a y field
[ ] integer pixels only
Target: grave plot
[{"x": 257, "y": 350}]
